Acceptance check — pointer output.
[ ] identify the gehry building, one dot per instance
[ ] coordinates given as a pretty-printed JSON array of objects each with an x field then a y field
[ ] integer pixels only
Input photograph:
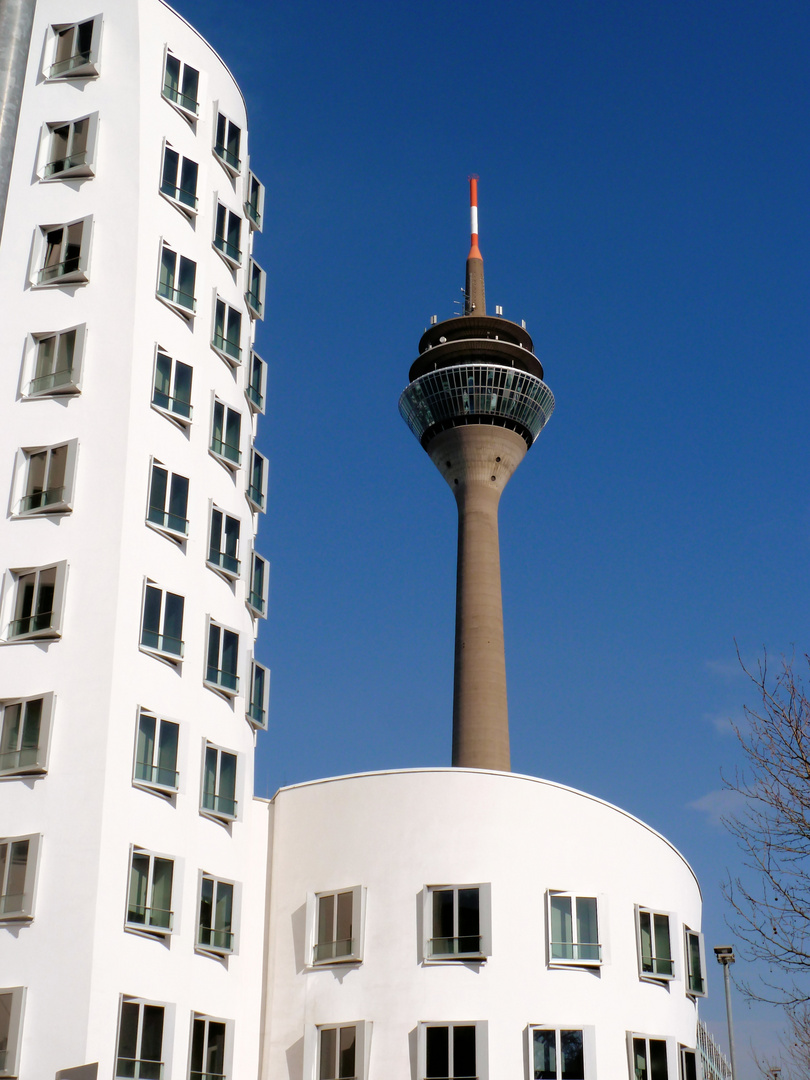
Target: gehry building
[{"x": 157, "y": 922}]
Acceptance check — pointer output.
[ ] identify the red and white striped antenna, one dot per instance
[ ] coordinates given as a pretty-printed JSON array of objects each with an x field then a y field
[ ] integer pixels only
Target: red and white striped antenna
[{"x": 474, "y": 249}]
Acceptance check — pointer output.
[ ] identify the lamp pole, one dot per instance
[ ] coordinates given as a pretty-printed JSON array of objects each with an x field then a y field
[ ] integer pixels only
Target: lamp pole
[{"x": 725, "y": 956}]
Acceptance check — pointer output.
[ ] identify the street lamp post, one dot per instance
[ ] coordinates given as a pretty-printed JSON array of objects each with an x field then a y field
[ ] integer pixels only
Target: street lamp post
[{"x": 725, "y": 956}]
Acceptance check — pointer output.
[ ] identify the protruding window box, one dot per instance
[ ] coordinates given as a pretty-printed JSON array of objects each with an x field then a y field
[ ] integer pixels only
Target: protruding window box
[
  {"x": 215, "y": 929},
  {"x": 176, "y": 281},
  {"x": 150, "y": 892},
  {"x": 257, "y": 284},
  {"x": 573, "y": 930},
  {"x": 227, "y": 335},
  {"x": 12, "y": 1007},
  {"x": 227, "y": 143},
  {"x": 226, "y": 431},
  {"x": 695, "y": 963},
  {"x": 222, "y": 666},
  {"x": 178, "y": 181},
  {"x": 654, "y": 945},
  {"x": 338, "y": 926},
  {"x": 223, "y": 548},
  {"x": 38, "y": 599},
  {"x": 168, "y": 502},
  {"x": 457, "y": 922},
  {"x": 76, "y": 50},
  {"x": 156, "y": 753},
  {"x": 162, "y": 627},
  {"x": 259, "y": 579},
  {"x": 256, "y": 389},
  {"x": 67, "y": 149},
  {"x": 25, "y": 726},
  {"x": 62, "y": 254},
  {"x": 48, "y": 479},
  {"x": 54, "y": 362},
  {"x": 172, "y": 389},
  {"x": 257, "y": 487},
  {"x": 254, "y": 203},
  {"x": 228, "y": 235},
  {"x": 141, "y": 1030},
  {"x": 259, "y": 700},
  {"x": 18, "y": 867},
  {"x": 181, "y": 86}
]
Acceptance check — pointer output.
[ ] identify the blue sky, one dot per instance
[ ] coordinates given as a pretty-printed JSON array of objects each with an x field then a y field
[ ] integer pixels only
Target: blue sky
[{"x": 643, "y": 205}]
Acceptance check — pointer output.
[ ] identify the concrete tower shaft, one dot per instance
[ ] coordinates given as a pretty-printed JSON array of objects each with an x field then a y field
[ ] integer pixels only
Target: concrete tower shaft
[{"x": 476, "y": 402}]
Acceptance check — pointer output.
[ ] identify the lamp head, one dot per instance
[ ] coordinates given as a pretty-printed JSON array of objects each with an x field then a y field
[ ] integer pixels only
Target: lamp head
[{"x": 724, "y": 954}]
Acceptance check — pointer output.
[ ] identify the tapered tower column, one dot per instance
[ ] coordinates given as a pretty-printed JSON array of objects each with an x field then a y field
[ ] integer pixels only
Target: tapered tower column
[{"x": 477, "y": 401}]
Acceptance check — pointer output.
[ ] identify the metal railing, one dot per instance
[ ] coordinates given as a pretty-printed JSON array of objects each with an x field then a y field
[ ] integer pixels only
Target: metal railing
[
  {"x": 257, "y": 714},
  {"x": 466, "y": 945},
  {"x": 163, "y": 643},
  {"x": 138, "y": 1069},
  {"x": 37, "y": 499},
  {"x": 31, "y": 624},
  {"x": 256, "y": 601},
  {"x": 72, "y": 161},
  {"x": 185, "y": 101},
  {"x": 58, "y": 270},
  {"x": 187, "y": 198},
  {"x": 226, "y": 450},
  {"x": 333, "y": 950},
  {"x": 12, "y": 903},
  {"x": 228, "y": 249},
  {"x": 576, "y": 950},
  {"x": 174, "y": 522},
  {"x": 232, "y": 348},
  {"x": 256, "y": 496},
  {"x": 255, "y": 397},
  {"x": 228, "y": 680},
  {"x": 228, "y": 563},
  {"x": 657, "y": 965},
  {"x": 171, "y": 404},
  {"x": 255, "y": 303},
  {"x": 19, "y": 759},
  {"x": 156, "y": 918},
  {"x": 228, "y": 157},
  {"x": 219, "y": 804},
  {"x": 62, "y": 377},
  {"x": 252, "y": 211},
  {"x": 62, "y": 67},
  {"x": 220, "y": 940},
  {"x": 177, "y": 296},
  {"x": 148, "y": 773}
]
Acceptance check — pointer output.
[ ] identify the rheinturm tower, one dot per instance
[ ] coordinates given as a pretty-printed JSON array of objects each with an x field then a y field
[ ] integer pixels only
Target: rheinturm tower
[{"x": 477, "y": 401}]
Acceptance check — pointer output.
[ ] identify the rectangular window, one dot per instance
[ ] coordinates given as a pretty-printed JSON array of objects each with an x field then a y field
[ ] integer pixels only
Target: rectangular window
[
  {"x": 227, "y": 334},
  {"x": 223, "y": 659},
  {"x": 56, "y": 361},
  {"x": 654, "y": 945},
  {"x": 156, "y": 753},
  {"x": 18, "y": 864},
  {"x": 12, "y": 1002},
  {"x": 219, "y": 783},
  {"x": 140, "y": 1040},
  {"x": 254, "y": 203},
  {"x": 168, "y": 501},
  {"x": 172, "y": 389},
  {"x": 259, "y": 579},
  {"x": 209, "y": 1047},
  {"x": 574, "y": 933},
  {"x": 454, "y": 1051},
  {"x": 258, "y": 704},
  {"x": 227, "y": 144},
  {"x": 38, "y": 595},
  {"x": 25, "y": 727},
  {"x": 257, "y": 283},
  {"x": 223, "y": 548},
  {"x": 688, "y": 1064},
  {"x": 457, "y": 921},
  {"x": 176, "y": 281},
  {"x": 150, "y": 892},
  {"x": 178, "y": 180},
  {"x": 256, "y": 388},
  {"x": 558, "y": 1054},
  {"x": 695, "y": 963},
  {"x": 649, "y": 1058},
  {"x": 342, "y": 1051},
  {"x": 215, "y": 932},
  {"x": 228, "y": 235},
  {"x": 338, "y": 920},
  {"x": 48, "y": 479},
  {"x": 162, "y": 629},
  {"x": 76, "y": 50},
  {"x": 181, "y": 85},
  {"x": 226, "y": 429},
  {"x": 68, "y": 148},
  {"x": 63, "y": 253},
  {"x": 257, "y": 487}
]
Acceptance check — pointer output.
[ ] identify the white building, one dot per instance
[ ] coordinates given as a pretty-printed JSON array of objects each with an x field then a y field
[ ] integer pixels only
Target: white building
[{"x": 131, "y": 849}]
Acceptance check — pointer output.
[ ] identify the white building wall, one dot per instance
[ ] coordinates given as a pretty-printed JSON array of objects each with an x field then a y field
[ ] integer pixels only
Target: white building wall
[
  {"x": 396, "y": 833},
  {"x": 74, "y": 956}
]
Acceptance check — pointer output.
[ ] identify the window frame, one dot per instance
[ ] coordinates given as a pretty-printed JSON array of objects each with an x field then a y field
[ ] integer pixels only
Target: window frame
[
  {"x": 215, "y": 949},
  {"x": 183, "y": 108},
  {"x": 257, "y": 601},
  {"x": 256, "y": 395},
  {"x": 255, "y": 301},
  {"x": 227, "y": 1050},
  {"x": 575, "y": 944},
  {"x": 481, "y": 1045},
  {"x": 254, "y": 213},
  {"x": 77, "y": 275},
  {"x": 226, "y": 813},
  {"x": 484, "y": 924},
  {"x": 85, "y": 169},
  {"x": 11, "y": 1062},
  {"x": 166, "y": 1034},
  {"x": 155, "y": 785},
  {"x": 252, "y": 707},
  {"x": 148, "y": 927},
  {"x": 358, "y": 920},
  {"x": 32, "y": 347},
  {"x": 257, "y": 499},
  {"x": 232, "y": 256},
  {"x": 231, "y": 464},
  {"x": 215, "y": 559},
  {"x": 25, "y": 912},
  {"x": 177, "y": 416},
  {"x": 654, "y": 975},
  {"x": 684, "y": 1073},
  {"x": 689, "y": 974},
  {"x": 362, "y": 1048},
  {"x": 588, "y": 1047},
  {"x": 168, "y": 296},
  {"x": 189, "y": 209},
  {"x": 162, "y": 654},
  {"x": 220, "y": 342},
  {"x": 220, "y": 150},
  {"x": 10, "y": 591},
  {"x": 22, "y": 475},
  {"x": 39, "y": 764},
  {"x": 89, "y": 68},
  {"x": 632, "y": 1036},
  {"x": 225, "y": 688},
  {"x": 164, "y": 527}
]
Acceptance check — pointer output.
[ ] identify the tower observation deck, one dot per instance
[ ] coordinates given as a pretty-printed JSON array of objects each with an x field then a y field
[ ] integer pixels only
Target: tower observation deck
[{"x": 476, "y": 401}]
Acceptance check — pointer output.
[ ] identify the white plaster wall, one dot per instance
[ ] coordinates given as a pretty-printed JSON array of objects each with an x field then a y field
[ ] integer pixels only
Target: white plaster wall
[
  {"x": 75, "y": 957},
  {"x": 395, "y": 833}
]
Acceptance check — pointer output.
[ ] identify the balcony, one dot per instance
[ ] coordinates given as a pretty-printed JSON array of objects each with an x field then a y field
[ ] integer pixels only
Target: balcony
[
  {"x": 148, "y": 773},
  {"x": 162, "y": 643}
]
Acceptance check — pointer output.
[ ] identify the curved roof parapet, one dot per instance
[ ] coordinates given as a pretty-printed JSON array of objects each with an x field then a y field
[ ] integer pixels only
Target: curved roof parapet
[{"x": 476, "y": 394}]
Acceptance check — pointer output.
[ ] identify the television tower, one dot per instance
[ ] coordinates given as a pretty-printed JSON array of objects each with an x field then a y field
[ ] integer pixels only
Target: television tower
[{"x": 476, "y": 401}]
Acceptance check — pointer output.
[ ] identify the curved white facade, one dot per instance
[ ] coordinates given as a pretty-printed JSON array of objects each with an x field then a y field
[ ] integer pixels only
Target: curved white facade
[
  {"x": 393, "y": 839},
  {"x": 108, "y": 842}
]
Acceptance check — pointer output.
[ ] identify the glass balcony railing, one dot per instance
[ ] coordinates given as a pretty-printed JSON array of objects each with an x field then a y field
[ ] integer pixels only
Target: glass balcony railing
[
  {"x": 257, "y": 714},
  {"x": 228, "y": 157},
  {"x": 227, "y": 680},
  {"x": 138, "y": 1069},
  {"x": 576, "y": 950},
  {"x": 187, "y": 198},
  {"x": 229, "y": 563},
  {"x": 220, "y": 940},
  {"x": 58, "y": 270},
  {"x": 19, "y": 759},
  {"x": 255, "y": 397},
  {"x": 231, "y": 251},
  {"x": 62, "y": 67},
  {"x": 333, "y": 950},
  {"x": 231, "y": 348},
  {"x": 151, "y": 918},
  {"x": 255, "y": 303},
  {"x": 39, "y": 499},
  {"x": 11, "y": 903},
  {"x": 256, "y": 496},
  {"x": 31, "y": 624},
  {"x": 73, "y": 161},
  {"x": 43, "y": 383},
  {"x": 256, "y": 601},
  {"x": 185, "y": 101},
  {"x": 468, "y": 945},
  {"x": 148, "y": 773},
  {"x": 252, "y": 211},
  {"x": 163, "y": 643},
  {"x": 194, "y": 1075},
  {"x": 177, "y": 296},
  {"x": 226, "y": 450},
  {"x": 174, "y": 522},
  {"x": 171, "y": 404}
]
